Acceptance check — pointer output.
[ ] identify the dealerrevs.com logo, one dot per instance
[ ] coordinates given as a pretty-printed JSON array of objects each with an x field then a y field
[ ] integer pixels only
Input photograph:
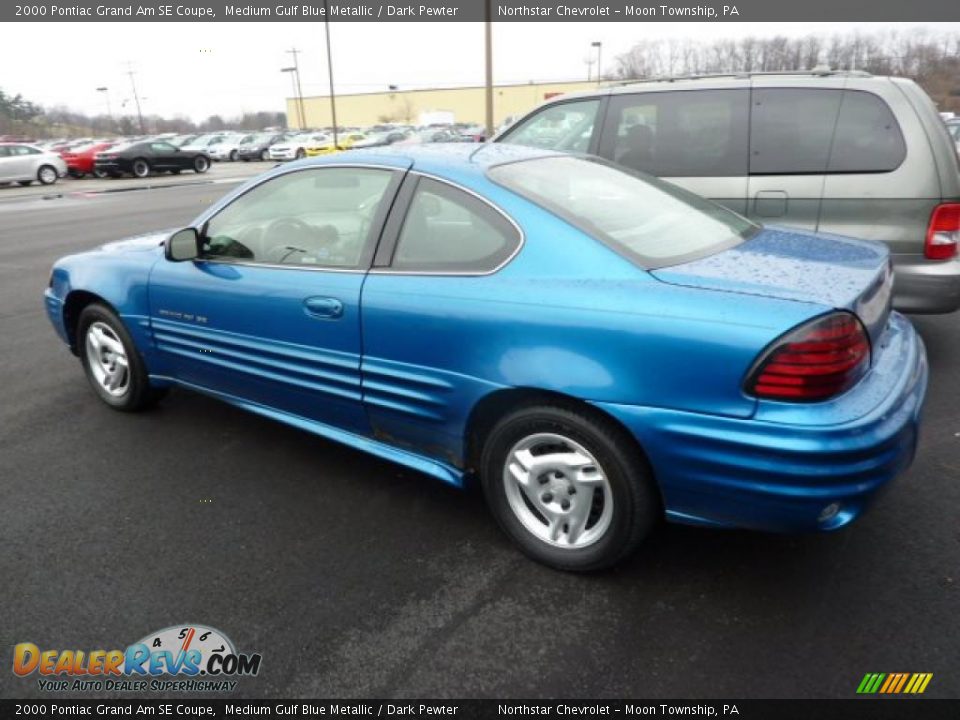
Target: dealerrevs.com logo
[{"x": 199, "y": 657}]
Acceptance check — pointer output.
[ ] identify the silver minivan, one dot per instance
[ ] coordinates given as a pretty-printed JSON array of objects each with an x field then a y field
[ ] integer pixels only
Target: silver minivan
[{"x": 832, "y": 151}]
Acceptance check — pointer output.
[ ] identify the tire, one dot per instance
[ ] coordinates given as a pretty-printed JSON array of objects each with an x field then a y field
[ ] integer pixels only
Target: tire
[
  {"x": 264, "y": 155},
  {"x": 47, "y": 175},
  {"x": 201, "y": 164},
  {"x": 301, "y": 153},
  {"x": 111, "y": 361},
  {"x": 580, "y": 458},
  {"x": 140, "y": 168},
  {"x": 233, "y": 156}
]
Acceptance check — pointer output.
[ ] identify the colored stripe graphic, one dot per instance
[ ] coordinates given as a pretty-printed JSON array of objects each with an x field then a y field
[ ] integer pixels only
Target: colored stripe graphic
[{"x": 894, "y": 683}]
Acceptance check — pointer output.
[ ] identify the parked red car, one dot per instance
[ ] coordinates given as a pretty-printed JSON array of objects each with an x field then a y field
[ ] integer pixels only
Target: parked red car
[{"x": 80, "y": 160}]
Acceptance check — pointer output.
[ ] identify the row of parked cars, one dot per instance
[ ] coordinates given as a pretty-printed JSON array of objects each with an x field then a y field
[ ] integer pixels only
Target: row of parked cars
[{"x": 25, "y": 162}]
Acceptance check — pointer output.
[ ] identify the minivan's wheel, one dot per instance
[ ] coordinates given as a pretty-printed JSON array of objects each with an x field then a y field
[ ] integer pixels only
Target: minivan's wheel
[
  {"x": 141, "y": 168},
  {"x": 201, "y": 164},
  {"x": 573, "y": 492},
  {"x": 264, "y": 155},
  {"x": 301, "y": 153},
  {"x": 47, "y": 175},
  {"x": 111, "y": 360}
]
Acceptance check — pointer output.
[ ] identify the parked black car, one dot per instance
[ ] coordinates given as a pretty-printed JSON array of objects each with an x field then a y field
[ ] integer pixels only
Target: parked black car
[
  {"x": 255, "y": 147},
  {"x": 142, "y": 158}
]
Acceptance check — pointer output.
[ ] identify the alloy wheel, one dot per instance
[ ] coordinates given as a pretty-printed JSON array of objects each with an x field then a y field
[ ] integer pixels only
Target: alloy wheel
[
  {"x": 107, "y": 359},
  {"x": 558, "y": 491}
]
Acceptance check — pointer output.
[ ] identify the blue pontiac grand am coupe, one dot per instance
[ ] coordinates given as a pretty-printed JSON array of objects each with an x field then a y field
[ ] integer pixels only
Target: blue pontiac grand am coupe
[{"x": 599, "y": 348}]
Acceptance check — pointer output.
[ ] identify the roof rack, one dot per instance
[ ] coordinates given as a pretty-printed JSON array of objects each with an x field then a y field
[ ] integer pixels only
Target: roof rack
[{"x": 819, "y": 71}]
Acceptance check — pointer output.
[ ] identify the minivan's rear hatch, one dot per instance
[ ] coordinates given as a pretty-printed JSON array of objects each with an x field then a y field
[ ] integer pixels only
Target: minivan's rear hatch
[{"x": 790, "y": 264}]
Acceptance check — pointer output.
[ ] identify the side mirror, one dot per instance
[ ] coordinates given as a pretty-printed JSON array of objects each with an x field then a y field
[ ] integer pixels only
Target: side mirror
[{"x": 182, "y": 245}]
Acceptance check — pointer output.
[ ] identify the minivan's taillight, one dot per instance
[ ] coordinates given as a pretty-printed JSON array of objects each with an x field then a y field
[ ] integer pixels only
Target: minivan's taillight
[
  {"x": 943, "y": 233},
  {"x": 816, "y": 361}
]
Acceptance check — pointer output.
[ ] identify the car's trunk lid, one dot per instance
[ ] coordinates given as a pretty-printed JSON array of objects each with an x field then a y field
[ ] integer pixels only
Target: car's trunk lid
[{"x": 789, "y": 264}]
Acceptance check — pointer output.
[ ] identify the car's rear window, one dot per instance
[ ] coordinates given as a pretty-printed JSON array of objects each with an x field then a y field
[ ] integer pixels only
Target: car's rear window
[{"x": 651, "y": 221}]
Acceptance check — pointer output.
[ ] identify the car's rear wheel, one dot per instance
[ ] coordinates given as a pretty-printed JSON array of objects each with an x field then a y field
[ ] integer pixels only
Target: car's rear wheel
[
  {"x": 141, "y": 168},
  {"x": 111, "y": 361},
  {"x": 201, "y": 164},
  {"x": 572, "y": 490},
  {"x": 301, "y": 153},
  {"x": 47, "y": 175}
]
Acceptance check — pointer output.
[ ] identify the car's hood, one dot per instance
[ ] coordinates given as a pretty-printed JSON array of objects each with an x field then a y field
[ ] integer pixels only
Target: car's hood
[
  {"x": 788, "y": 264},
  {"x": 138, "y": 243}
]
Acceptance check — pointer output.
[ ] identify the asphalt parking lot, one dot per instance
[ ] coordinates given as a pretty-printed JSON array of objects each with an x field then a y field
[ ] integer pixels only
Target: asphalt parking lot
[{"x": 354, "y": 577}]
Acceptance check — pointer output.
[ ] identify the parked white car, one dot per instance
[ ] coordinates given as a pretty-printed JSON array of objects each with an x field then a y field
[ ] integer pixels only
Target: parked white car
[
  {"x": 227, "y": 147},
  {"x": 296, "y": 147},
  {"x": 204, "y": 142},
  {"x": 27, "y": 163}
]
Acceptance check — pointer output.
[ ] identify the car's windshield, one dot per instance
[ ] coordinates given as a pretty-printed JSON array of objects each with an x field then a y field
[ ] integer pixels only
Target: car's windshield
[{"x": 648, "y": 219}]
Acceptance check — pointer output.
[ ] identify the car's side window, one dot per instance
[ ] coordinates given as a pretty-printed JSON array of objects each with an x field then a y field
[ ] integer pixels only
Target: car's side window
[
  {"x": 318, "y": 217},
  {"x": 791, "y": 130},
  {"x": 4, "y": 151},
  {"x": 679, "y": 134},
  {"x": 868, "y": 137},
  {"x": 567, "y": 127},
  {"x": 162, "y": 148},
  {"x": 449, "y": 230}
]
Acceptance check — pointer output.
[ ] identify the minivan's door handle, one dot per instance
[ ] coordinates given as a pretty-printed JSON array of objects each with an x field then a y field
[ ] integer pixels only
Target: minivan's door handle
[{"x": 324, "y": 307}]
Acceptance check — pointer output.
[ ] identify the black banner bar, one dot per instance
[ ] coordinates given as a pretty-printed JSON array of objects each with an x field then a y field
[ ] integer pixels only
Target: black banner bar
[
  {"x": 856, "y": 709},
  {"x": 474, "y": 11}
]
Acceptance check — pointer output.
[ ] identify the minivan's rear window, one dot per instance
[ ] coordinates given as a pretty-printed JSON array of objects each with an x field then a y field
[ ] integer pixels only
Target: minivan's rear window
[
  {"x": 800, "y": 131},
  {"x": 649, "y": 220}
]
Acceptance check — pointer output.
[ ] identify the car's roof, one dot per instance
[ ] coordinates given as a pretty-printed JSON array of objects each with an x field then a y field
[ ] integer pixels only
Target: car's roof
[{"x": 458, "y": 157}]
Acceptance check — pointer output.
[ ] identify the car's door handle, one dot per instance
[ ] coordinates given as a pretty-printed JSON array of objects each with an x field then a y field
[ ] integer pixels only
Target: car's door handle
[{"x": 327, "y": 308}]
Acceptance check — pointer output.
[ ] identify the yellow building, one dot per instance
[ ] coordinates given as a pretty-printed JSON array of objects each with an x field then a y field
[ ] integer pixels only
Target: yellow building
[{"x": 409, "y": 106}]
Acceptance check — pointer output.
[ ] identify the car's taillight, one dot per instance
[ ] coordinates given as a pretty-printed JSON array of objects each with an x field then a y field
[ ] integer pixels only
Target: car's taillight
[
  {"x": 816, "y": 361},
  {"x": 943, "y": 233}
]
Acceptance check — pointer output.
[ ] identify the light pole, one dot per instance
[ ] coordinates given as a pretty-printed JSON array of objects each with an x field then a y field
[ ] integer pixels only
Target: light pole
[
  {"x": 106, "y": 93},
  {"x": 333, "y": 97},
  {"x": 599, "y": 46},
  {"x": 488, "y": 48},
  {"x": 136, "y": 98},
  {"x": 293, "y": 85},
  {"x": 296, "y": 72}
]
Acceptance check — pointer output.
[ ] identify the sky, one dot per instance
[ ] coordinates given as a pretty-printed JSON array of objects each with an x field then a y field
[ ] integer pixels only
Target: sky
[{"x": 201, "y": 69}]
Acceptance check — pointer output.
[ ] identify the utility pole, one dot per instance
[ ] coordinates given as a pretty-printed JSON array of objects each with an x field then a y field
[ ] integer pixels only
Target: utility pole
[
  {"x": 599, "y": 46},
  {"x": 333, "y": 97},
  {"x": 106, "y": 92},
  {"x": 293, "y": 85},
  {"x": 488, "y": 46},
  {"x": 296, "y": 71},
  {"x": 136, "y": 98}
]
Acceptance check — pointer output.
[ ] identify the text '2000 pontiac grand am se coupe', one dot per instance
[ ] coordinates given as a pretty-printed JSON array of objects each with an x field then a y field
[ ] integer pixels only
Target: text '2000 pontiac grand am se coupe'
[{"x": 598, "y": 348}]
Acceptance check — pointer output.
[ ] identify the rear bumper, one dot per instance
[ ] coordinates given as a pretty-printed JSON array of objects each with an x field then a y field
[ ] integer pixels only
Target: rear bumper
[
  {"x": 926, "y": 286},
  {"x": 781, "y": 470}
]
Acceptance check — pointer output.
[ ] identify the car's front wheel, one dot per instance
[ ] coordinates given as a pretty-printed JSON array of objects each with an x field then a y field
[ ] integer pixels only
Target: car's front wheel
[
  {"x": 47, "y": 175},
  {"x": 572, "y": 490},
  {"x": 111, "y": 361}
]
